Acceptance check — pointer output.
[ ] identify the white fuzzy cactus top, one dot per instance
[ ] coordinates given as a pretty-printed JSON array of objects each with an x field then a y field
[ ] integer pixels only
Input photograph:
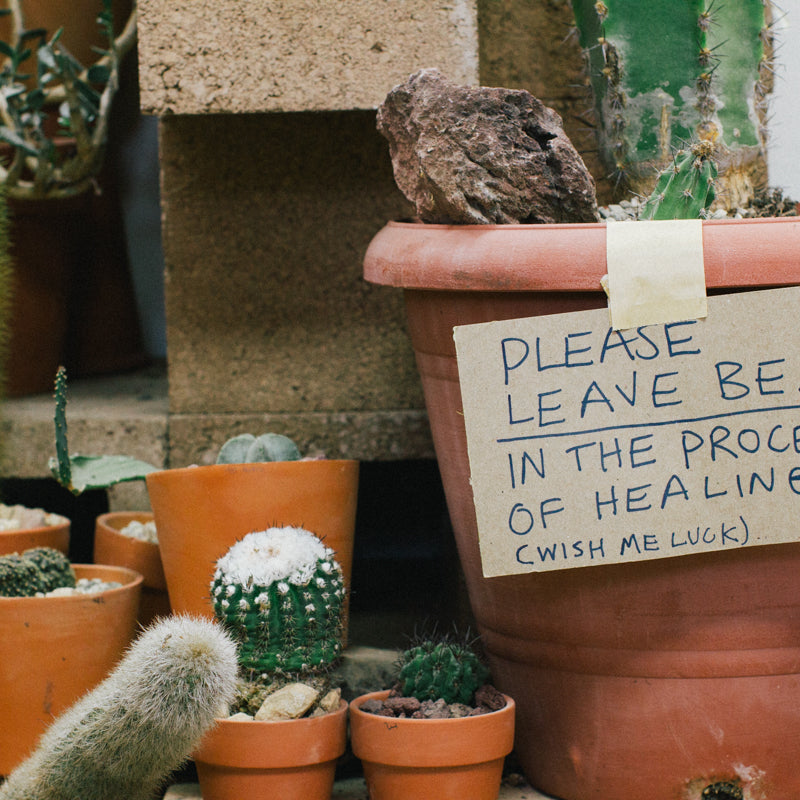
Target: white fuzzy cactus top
[{"x": 288, "y": 554}]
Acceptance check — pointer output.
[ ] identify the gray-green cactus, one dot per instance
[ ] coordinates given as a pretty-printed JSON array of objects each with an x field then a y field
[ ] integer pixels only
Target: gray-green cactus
[
  {"x": 685, "y": 189},
  {"x": 666, "y": 73},
  {"x": 281, "y": 594},
  {"x": 79, "y": 473},
  {"x": 124, "y": 738},
  {"x": 441, "y": 669},
  {"x": 246, "y": 449},
  {"x": 35, "y": 571}
]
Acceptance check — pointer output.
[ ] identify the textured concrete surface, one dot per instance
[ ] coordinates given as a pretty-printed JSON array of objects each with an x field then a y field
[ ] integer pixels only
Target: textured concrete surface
[
  {"x": 266, "y": 221},
  {"x": 206, "y": 56}
]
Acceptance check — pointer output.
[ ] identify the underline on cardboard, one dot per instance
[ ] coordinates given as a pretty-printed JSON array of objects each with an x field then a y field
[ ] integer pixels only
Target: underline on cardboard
[{"x": 657, "y": 424}]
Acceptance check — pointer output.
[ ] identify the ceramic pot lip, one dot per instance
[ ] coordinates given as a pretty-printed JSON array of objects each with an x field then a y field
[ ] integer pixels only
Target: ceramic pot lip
[
  {"x": 298, "y": 742},
  {"x": 127, "y": 577},
  {"x": 109, "y": 529},
  {"x": 355, "y": 709},
  {"x": 175, "y": 473},
  {"x": 567, "y": 257}
]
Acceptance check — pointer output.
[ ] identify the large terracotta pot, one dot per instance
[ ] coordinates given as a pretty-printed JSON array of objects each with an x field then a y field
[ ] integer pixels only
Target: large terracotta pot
[
  {"x": 291, "y": 760},
  {"x": 55, "y": 649},
  {"x": 113, "y": 548},
  {"x": 446, "y": 759},
  {"x": 201, "y": 511},
  {"x": 55, "y": 536},
  {"x": 652, "y": 679}
]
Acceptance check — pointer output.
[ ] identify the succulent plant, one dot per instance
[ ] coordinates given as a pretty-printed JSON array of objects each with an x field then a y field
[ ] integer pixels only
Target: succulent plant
[
  {"x": 35, "y": 571},
  {"x": 664, "y": 74},
  {"x": 281, "y": 594},
  {"x": 125, "y": 737},
  {"x": 40, "y": 79},
  {"x": 79, "y": 473},
  {"x": 441, "y": 669},
  {"x": 246, "y": 448},
  {"x": 685, "y": 189}
]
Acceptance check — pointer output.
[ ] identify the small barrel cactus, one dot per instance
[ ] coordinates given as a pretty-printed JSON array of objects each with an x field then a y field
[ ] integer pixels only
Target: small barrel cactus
[
  {"x": 35, "y": 571},
  {"x": 124, "y": 738},
  {"x": 446, "y": 669},
  {"x": 685, "y": 189},
  {"x": 281, "y": 594}
]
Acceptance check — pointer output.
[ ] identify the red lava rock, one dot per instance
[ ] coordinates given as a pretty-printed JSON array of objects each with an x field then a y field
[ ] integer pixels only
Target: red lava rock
[
  {"x": 490, "y": 698},
  {"x": 466, "y": 154}
]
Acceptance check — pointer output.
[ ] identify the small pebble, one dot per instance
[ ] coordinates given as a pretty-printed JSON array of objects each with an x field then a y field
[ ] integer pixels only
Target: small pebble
[{"x": 144, "y": 531}]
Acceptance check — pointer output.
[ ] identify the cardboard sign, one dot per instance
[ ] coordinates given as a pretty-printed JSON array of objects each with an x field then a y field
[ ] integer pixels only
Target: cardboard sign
[{"x": 593, "y": 446}]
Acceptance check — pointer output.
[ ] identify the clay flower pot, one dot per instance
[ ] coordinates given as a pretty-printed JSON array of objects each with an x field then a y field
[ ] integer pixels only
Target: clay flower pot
[
  {"x": 113, "y": 548},
  {"x": 449, "y": 759},
  {"x": 291, "y": 760},
  {"x": 55, "y": 535},
  {"x": 649, "y": 679},
  {"x": 201, "y": 511},
  {"x": 55, "y": 649}
]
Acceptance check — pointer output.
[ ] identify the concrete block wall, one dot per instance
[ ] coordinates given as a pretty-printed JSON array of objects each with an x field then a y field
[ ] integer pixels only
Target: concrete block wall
[{"x": 273, "y": 182}]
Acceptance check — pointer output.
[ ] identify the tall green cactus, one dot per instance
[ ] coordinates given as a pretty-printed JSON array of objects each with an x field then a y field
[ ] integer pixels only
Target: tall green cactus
[
  {"x": 443, "y": 669},
  {"x": 281, "y": 594},
  {"x": 665, "y": 73},
  {"x": 124, "y": 738},
  {"x": 38, "y": 570}
]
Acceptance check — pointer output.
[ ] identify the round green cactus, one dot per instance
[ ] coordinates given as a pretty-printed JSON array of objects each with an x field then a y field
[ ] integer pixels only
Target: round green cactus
[
  {"x": 38, "y": 570},
  {"x": 281, "y": 594},
  {"x": 447, "y": 670}
]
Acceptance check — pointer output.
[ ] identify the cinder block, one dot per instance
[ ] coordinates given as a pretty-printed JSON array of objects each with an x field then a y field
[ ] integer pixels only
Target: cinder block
[
  {"x": 207, "y": 56},
  {"x": 266, "y": 222}
]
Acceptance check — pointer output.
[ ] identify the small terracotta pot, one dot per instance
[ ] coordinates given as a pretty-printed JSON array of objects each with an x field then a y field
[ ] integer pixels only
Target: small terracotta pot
[
  {"x": 55, "y": 649},
  {"x": 291, "y": 760},
  {"x": 446, "y": 759},
  {"x": 201, "y": 511},
  {"x": 55, "y": 536},
  {"x": 112, "y": 547}
]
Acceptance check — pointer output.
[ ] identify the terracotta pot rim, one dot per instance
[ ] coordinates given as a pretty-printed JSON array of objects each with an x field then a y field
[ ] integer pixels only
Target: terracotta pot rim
[
  {"x": 256, "y": 466},
  {"x": 355, "y": 708},
  {"x": 113, "y": 531},
  {"x": 60, "y": 522},
  {"x": 565, "y": 257},
  {"x": 128, "y": 577}
]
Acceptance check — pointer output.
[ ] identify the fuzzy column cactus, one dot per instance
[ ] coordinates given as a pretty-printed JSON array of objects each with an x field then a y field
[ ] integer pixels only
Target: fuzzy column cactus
[
  {"x": 281, "y": 593},
  {"x": 124, "y": 738},
  {"x": 666, "y": 73}
]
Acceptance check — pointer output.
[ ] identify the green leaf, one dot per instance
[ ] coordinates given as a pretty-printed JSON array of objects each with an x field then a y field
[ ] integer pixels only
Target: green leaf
[
  {"x": 100, "y": 472},
  {"x": 6, "y": 49},
  {"x": 13, "y": 138},
  {"x": 98, "y": 73}
]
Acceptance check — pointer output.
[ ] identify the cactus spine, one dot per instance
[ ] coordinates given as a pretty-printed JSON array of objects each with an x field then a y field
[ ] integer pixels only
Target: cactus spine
[
  {"x": 666, "y": 73},
  {"x": 280, "y": 593},
  {"x": 447, "y": 670},
  {"x": 124, "y": 738},
  {"x": 35, "y": 571},
  {"x": 685, "y": 189}
]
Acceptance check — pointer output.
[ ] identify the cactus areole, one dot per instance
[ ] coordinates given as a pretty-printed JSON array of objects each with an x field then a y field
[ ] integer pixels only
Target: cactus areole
[
  {"x": 665, "y": 74},
  {"x": 281, "y": 593}
]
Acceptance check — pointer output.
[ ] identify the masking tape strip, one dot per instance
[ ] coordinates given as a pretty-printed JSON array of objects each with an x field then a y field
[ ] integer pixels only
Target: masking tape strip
[{"x": 655, "y": 272}]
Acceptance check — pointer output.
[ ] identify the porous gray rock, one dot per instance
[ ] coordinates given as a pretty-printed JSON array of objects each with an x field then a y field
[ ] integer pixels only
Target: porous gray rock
[{"x": 480, "y": 155}]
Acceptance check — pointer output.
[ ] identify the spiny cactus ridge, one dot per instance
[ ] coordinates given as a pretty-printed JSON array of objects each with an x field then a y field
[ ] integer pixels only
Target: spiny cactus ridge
[
  {"x": 664, "y": 73},
  {"x": 685, "y": 189},
  {"x": 35, "y": 571},
  {"x": 124, "y": 738},
  {"x": 281, "y": 593},
  {"x": 446, "y": 669}
]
